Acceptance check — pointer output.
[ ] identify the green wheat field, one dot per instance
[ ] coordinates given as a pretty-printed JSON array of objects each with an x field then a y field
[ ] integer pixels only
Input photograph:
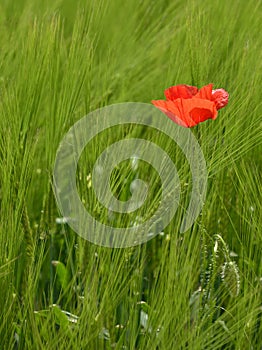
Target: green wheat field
[{"x": 199, "y": 290}]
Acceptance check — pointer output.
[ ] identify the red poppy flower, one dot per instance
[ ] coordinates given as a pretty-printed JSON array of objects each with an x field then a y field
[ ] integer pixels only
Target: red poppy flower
[{"x": 188, "y": 106}]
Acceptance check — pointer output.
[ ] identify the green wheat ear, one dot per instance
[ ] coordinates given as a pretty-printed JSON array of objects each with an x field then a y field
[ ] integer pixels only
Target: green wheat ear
[
  {"x": 230, "y": 276},
  {"x": 230, "y": 272},
  {"x": 28, "y": 234}
]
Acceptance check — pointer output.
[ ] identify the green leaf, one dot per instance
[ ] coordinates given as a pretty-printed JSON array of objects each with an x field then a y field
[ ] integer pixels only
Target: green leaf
[
  {"x": 62, "y": 273},
  {"x": 61, "y": 318}
]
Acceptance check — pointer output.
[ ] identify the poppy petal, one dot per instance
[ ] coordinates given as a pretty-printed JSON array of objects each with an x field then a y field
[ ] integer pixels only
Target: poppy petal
[
  {"x": 180, "y": 91},
  {"x": 200, "y": 110},
  {"x": 177, "y": 108},
  {"x": 220, "y": 97},
  {"x": 205, "y": 92},
  {"x": 175, "y": 111}
]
